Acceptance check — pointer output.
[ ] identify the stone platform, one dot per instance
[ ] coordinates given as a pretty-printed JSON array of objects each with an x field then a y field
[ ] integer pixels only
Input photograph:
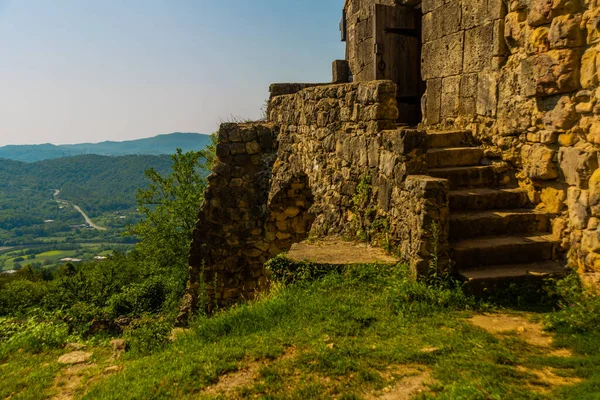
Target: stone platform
[{"x": 336, "y": 251}]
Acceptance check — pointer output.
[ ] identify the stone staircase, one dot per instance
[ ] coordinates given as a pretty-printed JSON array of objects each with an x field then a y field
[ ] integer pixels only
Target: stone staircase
[{"x": 496, "y": 237}]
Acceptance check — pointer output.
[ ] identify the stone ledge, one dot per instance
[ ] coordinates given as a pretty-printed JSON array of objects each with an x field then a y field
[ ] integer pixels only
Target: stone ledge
[{"x": 281, "y": 89}]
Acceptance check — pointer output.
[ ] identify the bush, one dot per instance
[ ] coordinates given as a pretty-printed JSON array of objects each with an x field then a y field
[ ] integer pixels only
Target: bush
[
  {"x": 81, "y": 317},
  {"x": 148, "y": 296},
  {"x": 147, "y": 335},
  {"x": 579, "y": 309},
  {"x": 34, "y": 337},
  {"x": 286, "y": 271},
  {"x": 19, "y": 295}
]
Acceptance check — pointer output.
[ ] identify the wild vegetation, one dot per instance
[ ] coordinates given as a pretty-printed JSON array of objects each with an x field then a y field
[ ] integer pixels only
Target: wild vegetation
[
  {"x": 361, "y": 332},
  {"x": 354, "y": 332}
]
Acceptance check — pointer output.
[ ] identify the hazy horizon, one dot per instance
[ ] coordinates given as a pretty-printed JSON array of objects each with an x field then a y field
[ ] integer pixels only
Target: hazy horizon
[
  {"x": 101, "y": 141},
  {"x": 86, "y": 72}
]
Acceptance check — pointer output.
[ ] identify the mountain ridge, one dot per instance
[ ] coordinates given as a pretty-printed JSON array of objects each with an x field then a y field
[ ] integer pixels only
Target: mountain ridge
[{"x": 157, "y": 145}]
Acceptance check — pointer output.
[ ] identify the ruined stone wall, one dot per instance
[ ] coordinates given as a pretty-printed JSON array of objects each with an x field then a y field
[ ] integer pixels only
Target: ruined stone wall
[
  {"x": 344, "y": 140},
  {"x": 330, "y": 161},
  {"x": 229, "y": 248},
  {"x": 524, "y": 77}
]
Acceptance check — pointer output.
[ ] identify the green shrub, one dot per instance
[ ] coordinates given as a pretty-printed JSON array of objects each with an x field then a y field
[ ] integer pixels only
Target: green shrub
[
  {"x": 81, "y": 316},
  {"x": 147, "y": 335},
  {"x": 19, "y": 295},
  {"x": 34, "y": 337},
  {"x": 148, "y": 296},
  {"x": 286, "y": 271},
  {"x": 579, "y": 309}
]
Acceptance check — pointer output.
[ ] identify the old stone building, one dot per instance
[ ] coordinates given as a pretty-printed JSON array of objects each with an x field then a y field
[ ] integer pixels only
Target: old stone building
[{"x": 473, "y": 123}]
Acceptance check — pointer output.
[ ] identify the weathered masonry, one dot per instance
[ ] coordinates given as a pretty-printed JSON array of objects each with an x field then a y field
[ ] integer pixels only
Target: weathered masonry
[{"x": 461, "y": 130}]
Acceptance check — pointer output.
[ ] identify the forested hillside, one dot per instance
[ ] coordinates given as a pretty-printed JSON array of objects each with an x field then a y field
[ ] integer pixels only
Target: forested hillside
[
  {"x": 98, "y": 184},
  {"x": 158, "y": 145}
]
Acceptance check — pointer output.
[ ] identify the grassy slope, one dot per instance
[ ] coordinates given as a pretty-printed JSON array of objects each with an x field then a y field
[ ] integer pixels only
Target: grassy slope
[{"x": 343, "y": 337}]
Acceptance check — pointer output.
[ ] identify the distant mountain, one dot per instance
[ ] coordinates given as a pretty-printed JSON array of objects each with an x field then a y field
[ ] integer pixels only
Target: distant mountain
[{"x": 158, "y": 145}]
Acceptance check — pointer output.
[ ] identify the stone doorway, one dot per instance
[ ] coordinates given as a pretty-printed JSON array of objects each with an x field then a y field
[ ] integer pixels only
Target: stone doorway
[{"x": 397, "y": 34}]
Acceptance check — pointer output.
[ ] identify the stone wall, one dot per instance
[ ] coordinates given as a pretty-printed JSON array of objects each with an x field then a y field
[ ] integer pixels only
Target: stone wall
[
  {"x": 524, "y": 77},
  {"x": 228, "y": 249},
  {"x": 330, "y": 161},
  {"x": 344, "y": 140}
]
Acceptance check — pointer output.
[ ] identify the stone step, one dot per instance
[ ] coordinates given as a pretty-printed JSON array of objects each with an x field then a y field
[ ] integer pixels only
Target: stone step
[
  {"x": 454, "y": 157},
  {"x": 497, "y": 250},
  {"x": 462, "y": 177},
  {"x": 443, "y": 139},
  {"x": 487, "y": 199},
  {"x": 486, "y": 281},
  {"x": 466, "y": 225}
]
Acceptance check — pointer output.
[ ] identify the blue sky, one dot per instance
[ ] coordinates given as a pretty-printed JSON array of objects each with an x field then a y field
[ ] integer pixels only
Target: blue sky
[{"x": 75, "y": 71}]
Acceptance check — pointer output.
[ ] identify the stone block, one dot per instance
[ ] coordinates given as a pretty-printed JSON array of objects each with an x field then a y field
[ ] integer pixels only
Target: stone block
[
  {"x": 443, "y": 57},
  {"x": 468, "y": 95},
  {"x": 487, "y": 94},
  {"x": 540, "y": 12},
  {"x": 578, "y": 202},
  {"x": 565, "y": 31},
  {"x": 559, "y": 112},
  {"x": 514, "y": 31},
  {"x": 253, "y": 148},
  {"x": 538, "y": 162},
  {"x": 478, "y": 12},
  {"x": 479, "y": 45},
  {"x": 577, "y": 165},
  {"x": 591, "y": 21},
  {"x": 556, "y": 71},
  {"x": 433, "y": 101},
  {"x": 430, "y": 5},
  {"x": 589, "y": 68},
  {"x": 223, "y": 150},
  {"x": 553, "y": 199},
  {"x": 340, "y": 71},
  {"x": 538, "y": 40},
  {"x": 499, "y": 46},
  {"x": 443, "y": 21},
  {"x": 450, "y": 96},
  {"x": 594, "y": 188}
]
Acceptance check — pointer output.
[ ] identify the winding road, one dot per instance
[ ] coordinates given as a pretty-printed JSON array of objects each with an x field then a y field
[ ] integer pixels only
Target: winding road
[{"x": 85, "y": 216}]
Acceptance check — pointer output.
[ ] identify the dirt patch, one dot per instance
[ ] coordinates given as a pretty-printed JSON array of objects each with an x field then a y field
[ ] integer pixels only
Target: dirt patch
[
  {"x": 68, "y": 381},
  {"x": 243, "y": 377},
  {"x": 405, "y": 383},
  {"x": 336, "y": 251},
  {"x": 75, "y": 357},
  {"x": 543, "y": 380},
  {"x": 566, "y": 353},
  {"x": 498, "y": 324}
]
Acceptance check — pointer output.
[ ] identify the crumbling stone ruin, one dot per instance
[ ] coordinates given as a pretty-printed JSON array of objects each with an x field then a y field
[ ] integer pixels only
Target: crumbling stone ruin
[{"x": 461, "y": 130}]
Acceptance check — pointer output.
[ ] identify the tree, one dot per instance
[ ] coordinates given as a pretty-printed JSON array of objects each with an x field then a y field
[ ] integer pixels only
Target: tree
[{"x": 170, "y": 208}]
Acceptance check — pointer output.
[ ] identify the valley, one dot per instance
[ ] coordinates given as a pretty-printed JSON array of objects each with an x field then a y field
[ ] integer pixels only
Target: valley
[{"x": 76, "y": 207}]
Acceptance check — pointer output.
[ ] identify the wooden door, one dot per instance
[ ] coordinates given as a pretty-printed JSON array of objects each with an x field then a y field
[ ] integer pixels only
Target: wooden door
[{"x": 397, "y": 33}]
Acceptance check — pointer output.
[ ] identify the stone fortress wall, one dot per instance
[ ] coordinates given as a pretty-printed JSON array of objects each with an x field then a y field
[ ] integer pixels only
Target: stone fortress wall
[
  {"x": 331, "y": 159},
  {"x": 298, "y": 175},
  {"x": 523, "y": 76}
]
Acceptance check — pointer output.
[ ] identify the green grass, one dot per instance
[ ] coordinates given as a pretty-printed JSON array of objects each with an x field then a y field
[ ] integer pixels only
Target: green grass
[
  {"x": 346, "y": 336},
  {"x": 51, "y": 253},
  {"x": 87, "y": 251}
]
